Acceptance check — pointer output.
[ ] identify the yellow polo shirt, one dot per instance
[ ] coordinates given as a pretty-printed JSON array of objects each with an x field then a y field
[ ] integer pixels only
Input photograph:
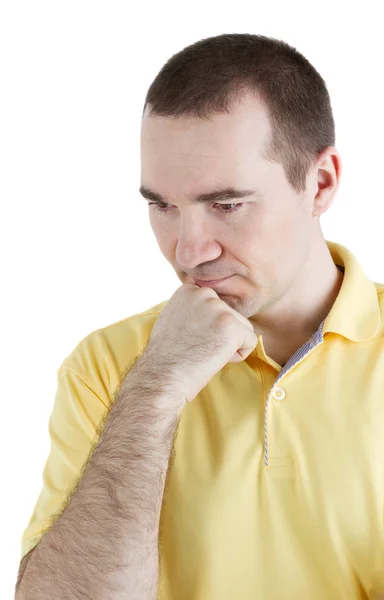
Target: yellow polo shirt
[{"x": 275, "y": 487}]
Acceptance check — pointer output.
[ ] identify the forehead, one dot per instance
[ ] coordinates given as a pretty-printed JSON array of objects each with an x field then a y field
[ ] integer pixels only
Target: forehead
[{"x": 227, "y": 145}]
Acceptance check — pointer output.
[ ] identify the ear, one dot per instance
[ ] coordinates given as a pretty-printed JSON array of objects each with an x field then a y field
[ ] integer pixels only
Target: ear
[{"x": 328, "y": 169}]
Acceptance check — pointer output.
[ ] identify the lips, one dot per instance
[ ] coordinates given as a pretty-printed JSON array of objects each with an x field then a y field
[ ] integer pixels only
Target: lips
[
  {"x": 212, "y": 279},
  {"x": 210, "y": 282}
]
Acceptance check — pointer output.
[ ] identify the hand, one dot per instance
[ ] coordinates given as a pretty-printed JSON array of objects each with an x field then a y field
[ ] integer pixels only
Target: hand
[{"x": 196, "y": 335}]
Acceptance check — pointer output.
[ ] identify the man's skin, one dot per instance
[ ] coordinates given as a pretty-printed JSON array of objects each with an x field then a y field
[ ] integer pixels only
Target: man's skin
[{"x": 283, "y": 278}]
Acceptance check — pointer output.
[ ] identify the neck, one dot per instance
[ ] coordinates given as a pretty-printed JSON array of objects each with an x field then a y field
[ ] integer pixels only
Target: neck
[{"x": 288, "y": 324}]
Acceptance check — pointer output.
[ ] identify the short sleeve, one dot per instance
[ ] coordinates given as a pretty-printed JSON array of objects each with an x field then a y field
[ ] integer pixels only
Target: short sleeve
[{"x": 75, "y": 425}]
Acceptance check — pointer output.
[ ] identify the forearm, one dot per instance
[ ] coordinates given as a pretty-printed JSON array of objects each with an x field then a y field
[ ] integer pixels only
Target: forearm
[{"x": 104, "y": 545}]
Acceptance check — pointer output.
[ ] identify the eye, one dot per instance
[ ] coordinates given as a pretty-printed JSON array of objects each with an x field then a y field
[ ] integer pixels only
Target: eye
[
  {"x": 236, "y": 207},
  {"x": 161, "y": 207}
]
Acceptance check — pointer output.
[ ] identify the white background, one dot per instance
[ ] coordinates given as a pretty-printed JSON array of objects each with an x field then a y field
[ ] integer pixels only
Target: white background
[{"x": 77, "y": 251}]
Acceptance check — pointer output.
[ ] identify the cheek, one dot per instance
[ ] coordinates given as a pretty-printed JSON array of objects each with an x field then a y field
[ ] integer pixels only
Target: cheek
[
  {"x": 264, "y": 241},
  {"x": 164, "y": 236},
  {"x": 288, "y": 226}
]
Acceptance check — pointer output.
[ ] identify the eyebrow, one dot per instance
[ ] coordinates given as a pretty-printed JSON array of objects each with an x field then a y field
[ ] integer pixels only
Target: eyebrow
[{"x": 229, "y": 193}]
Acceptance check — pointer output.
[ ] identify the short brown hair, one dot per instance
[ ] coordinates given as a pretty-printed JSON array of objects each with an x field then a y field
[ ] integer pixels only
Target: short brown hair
[{"x": 208, "y": 76}]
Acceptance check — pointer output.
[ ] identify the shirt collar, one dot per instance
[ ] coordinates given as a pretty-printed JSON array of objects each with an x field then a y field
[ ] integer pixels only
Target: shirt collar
[{"x": 355, "y": 314}]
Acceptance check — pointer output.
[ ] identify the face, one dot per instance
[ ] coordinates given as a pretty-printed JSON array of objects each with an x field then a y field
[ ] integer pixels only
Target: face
[{"x": 260, "y": 242}]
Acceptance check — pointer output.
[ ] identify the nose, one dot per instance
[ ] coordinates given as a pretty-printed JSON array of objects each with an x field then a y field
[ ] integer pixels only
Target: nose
[{"x": 196, "y": 243}]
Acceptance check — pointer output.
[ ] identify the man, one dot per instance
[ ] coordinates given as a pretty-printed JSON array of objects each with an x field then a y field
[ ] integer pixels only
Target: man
[{"x": 274, "y": 480}]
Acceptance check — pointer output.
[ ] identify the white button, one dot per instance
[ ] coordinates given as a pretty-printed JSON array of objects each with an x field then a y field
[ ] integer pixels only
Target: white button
[{"x": 279, "y": 393}]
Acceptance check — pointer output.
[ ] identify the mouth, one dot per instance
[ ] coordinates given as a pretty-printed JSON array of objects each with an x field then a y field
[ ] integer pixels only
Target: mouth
[{"x": 211, "y": 282}]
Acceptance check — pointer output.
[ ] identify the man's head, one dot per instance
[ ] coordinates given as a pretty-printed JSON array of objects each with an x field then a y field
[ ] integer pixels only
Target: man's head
[{"x": 248, "y": 113}]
